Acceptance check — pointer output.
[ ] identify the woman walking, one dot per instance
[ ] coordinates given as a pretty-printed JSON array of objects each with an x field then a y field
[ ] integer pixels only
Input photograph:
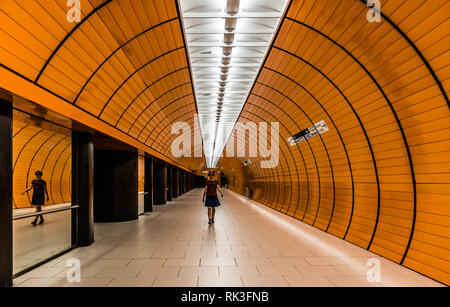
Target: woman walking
[
  {"x": 39, "y": 187},
  {"x": 212, "y": 201}
]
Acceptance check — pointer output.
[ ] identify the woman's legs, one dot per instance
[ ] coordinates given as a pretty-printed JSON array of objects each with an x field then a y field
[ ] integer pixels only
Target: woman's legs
[
  {"x": 213, "y": 213},
  {"x": 39, "y": 209}
]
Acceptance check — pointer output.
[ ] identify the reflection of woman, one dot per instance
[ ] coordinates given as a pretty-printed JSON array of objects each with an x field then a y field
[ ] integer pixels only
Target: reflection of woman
[
  {"x": 39, "y": 187},
  {"x": 212, "y": 201}
]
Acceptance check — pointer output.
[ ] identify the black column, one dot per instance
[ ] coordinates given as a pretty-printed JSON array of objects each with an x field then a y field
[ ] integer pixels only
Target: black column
[
  {"x": 148, "y": 197},
  {"x": 6, "y": 230},
  {"x": 175, "y": 180},
  {"x": 83, "y": 187},
  {"x": 159, "y": 183},
  {"x": 169, "y": 183},
  {"x": 116, "y": 186},
  {"x": 181, "y": 182}
]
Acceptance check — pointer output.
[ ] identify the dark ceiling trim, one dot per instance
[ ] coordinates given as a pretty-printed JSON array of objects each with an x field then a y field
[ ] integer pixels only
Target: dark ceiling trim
[
  {"x": 321, "y": 138},
  {"x": 69, "y": 35},
  {"x": 134, "y": 73},
  {"x": 160, "y": 110},
  {"x": 290, "y": 151},
  {"x": 422, "y": 57},
  {"x": 405, "y": 140},
  {"x": 151, "y": 103},
  {"x": 275, "y": 198},
  {"x": 164, "y": 128},
  {"x": 362, "y": 127},
  {"x": 145, "y": 89},
  {"x": 115, "y": 51},
  {"x": 309, "y": 145}
]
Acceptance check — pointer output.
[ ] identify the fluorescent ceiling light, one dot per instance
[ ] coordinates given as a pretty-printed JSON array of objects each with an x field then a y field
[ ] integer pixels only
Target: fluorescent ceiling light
[{"x": 227, "y": 41}]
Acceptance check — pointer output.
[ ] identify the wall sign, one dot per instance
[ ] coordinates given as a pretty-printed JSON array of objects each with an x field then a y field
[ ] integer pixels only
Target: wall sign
[{"x": 319, "y": 128}]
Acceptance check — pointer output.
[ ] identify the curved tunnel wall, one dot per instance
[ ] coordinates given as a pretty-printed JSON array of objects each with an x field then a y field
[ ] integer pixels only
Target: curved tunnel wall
[
  {"x": 380, "y": 178},
  {"x": 124, "y": 64}
]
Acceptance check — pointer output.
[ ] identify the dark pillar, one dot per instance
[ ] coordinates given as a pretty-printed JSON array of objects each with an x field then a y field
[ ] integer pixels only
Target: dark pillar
[
  {"x": 83, "y": 187},
  {"x": 148, "y": 197},
  {"x": 116, "y": 186},
  {"x": 6, "y": 229},
  {"x": 169, "y": 183},
  {"x": 175, "y": 182},
  {"x": 182, "y": 182},
  {"x": 159, "y": 183}
]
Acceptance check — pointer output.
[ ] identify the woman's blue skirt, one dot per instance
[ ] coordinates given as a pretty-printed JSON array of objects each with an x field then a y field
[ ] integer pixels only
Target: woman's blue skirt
[{"x": 212, "y": 201}]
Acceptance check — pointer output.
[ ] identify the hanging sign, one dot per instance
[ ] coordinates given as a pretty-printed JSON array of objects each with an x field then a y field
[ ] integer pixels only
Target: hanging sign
[{"x": 319, "y": 128}]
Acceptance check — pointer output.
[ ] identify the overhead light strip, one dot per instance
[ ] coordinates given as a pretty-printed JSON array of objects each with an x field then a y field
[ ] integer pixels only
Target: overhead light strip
[{"x": 227, "y": 41}]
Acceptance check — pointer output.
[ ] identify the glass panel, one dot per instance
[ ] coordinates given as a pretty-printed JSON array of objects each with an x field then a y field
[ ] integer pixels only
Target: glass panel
[
  {"x": 141, "y": 203},
  {"x": 36, "y": 244},
  {"x": 40, "y": 146}
]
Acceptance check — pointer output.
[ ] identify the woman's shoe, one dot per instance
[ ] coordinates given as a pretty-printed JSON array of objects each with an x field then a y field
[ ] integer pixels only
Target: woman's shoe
[
  {"x": 41, "y": 222},
  {"x": 210, "y": 221},
  {"x": 33, "y": 223}
]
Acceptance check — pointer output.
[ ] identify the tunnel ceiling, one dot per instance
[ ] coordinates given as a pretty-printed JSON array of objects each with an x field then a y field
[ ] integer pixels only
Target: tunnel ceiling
[
  {"x": 379, "y": 178},
  {"x": 124, "y": 63},
  {"x": 227, "y": 41}
]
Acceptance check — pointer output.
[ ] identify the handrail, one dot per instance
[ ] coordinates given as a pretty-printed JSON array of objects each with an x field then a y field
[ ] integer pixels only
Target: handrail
[
  {"x": 25, "y": 216},
  {"x": 143, "y": 193}
]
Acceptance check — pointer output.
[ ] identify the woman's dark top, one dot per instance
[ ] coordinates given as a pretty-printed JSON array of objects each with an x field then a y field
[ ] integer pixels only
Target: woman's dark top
[
  {"x": 211, "y": 187},
  {"x": 38, "y": 192}
]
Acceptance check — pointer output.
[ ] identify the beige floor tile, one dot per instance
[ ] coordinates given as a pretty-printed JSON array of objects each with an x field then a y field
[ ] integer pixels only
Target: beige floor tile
[
  {"x": 211, "y": 271},
  {"x": 222, "y": 281},
  {"x": 243, "y": 270},
  {"x": 176, "y": 282},
  {"x": 111, "y": 263},
  {"x": 146, "y": 263},
  {"x": 272, "y": 281},
  {"x": 317, "y": 270},
  {"x": 278, "y": 270},
  {"x": 160, "y": 272},
  {"x": 44, "y": 272},
  {"x": 90, "y": 282},
  {"x": 309, "y": 281},
  {"x": 265, "y": 254},
  {"x": 217, "y": 261},
  {"x": 352, "y": 281},
  {"x": 42, "y": 282},
  {"x": 182, "y": 262},
  {"x": 288, "y": 261},
  {"x": 131, "y": 282},
  {"x": 120, "y": 272},
  {"x": 253, "y": 261},
  {"x": 324, "y": 260}
]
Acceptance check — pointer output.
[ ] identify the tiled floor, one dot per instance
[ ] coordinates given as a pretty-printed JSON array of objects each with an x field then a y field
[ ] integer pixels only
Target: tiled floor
[{"x": 249, "y": 245}]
